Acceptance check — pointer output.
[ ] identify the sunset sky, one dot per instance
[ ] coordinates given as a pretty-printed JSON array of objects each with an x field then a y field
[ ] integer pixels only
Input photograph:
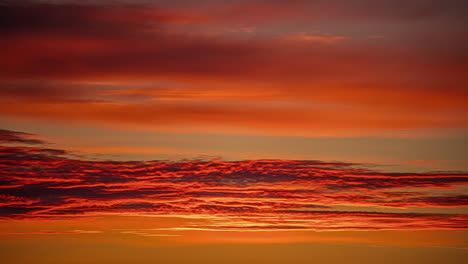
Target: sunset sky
[{"x": 227, "y": 131}]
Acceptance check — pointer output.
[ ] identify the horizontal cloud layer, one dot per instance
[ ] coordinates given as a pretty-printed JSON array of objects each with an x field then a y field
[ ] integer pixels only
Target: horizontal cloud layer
[
  {"x": 262, "y": 67},
  {"x": 39, "y": 182}
]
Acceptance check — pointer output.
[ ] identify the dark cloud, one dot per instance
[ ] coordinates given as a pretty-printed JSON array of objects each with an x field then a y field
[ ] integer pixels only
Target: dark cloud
[
  {"x": 75, "y": 41},
  {"x": 8, "y": 136},
  {"x": 27, "y": 17}
]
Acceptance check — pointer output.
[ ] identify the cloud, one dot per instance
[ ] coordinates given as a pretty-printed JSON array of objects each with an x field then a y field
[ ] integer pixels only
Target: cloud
[
  {"x": 267, "y": 11},
  {"x": 316, "y": 38},
  {"x": 63, "y": 41},
  {"x": 57, "y": 58},
  {"x": 71, "y": 232},
  {"x": 234, "y": 195},
  {"x": 269, "y": 119},
  {"x": 8, "y": 136},
  {"x": 27, "y": 17}
]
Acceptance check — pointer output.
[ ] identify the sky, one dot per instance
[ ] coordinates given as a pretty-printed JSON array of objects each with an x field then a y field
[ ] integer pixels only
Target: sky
[{"x": 227, "y": 131}]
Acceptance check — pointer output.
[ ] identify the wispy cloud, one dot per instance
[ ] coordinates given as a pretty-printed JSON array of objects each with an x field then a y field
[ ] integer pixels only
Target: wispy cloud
[
  {"x": 71, "y": 232},
  {"x": 8, "y": 136},
  {"x": 315, "y": 38},
  {"x": 251, "y": 80}
]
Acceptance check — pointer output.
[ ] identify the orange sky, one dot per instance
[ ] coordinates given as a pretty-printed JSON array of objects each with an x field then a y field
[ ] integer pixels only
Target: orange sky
[{"x": 285, "y": 131}]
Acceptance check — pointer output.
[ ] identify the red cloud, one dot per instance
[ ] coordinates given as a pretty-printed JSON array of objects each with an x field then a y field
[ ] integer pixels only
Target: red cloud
[
  {"x": 414, "y": 82},
  {"x": 250, "y": 195}
]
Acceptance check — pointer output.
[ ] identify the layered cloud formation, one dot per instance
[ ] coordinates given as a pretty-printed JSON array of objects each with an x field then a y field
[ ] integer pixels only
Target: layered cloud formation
[
  {"x": 294, "y": 68},
  {"x": 258, "y": 67},
  {"x": 39, "y": 182}
]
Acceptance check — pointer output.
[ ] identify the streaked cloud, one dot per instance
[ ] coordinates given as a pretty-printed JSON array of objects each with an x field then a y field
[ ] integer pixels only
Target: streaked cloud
[
  {"x": 38, "y": 182},
  {"x": 71, "y": 232},
  {"x": 8, "y": 136},
  {"x": 316, "y": 38},
  {"x": 200, "y": 74}
]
